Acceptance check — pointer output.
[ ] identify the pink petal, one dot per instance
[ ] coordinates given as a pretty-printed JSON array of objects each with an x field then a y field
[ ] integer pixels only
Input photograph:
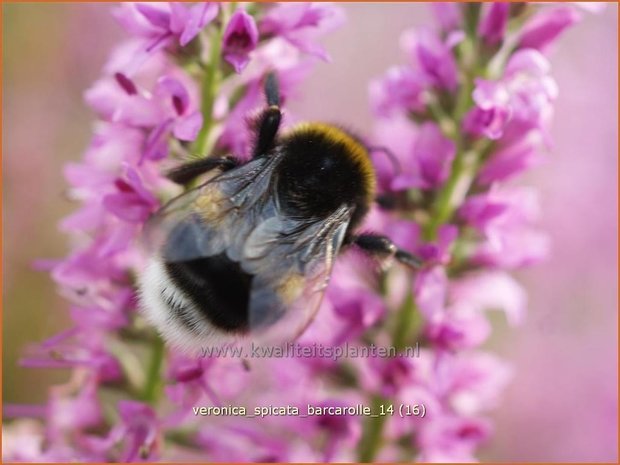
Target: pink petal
[
  {"x": 155, "y": 15},
  {"x": 200, "y": 16},
  {"x": 187, "y": 128}
]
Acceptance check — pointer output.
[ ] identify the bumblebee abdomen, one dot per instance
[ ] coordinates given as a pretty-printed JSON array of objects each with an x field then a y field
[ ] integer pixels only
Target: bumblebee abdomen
[
  {"x": 218, "y": 289},
  {"x": 323, "y": 168}
]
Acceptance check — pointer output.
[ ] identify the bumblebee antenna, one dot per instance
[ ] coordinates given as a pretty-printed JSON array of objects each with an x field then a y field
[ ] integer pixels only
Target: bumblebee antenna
[
  {"x": 272, "y": 91},
  {"x": 395, "y": 162}
]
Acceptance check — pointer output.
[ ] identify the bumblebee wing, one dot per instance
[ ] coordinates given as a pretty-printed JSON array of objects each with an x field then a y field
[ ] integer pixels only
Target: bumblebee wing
[
  {"x": 215, "y": 216},
  {"x": 291, "y": 260}
]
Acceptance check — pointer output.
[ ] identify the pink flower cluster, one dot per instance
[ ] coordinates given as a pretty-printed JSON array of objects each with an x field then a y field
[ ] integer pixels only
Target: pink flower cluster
[
  {"x": 467, "y": 113},
  {"x": 150, "y": 113}
]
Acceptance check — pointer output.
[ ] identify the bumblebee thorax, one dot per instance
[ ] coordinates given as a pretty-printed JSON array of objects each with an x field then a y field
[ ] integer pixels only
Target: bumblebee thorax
[{"x": 322, "y": 168}]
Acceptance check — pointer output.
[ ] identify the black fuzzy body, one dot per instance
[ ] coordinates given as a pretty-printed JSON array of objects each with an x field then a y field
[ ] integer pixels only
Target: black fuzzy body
[
  {"x": 320, "y": 169},
  {"x": 318, "y": 174}
]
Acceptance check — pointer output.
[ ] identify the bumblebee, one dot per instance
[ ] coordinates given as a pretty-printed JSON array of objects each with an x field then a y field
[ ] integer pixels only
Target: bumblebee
[{"x": 250, "y": 251}]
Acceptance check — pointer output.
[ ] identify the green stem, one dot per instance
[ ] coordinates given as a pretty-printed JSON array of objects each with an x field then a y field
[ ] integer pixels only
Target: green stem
[
  {"x": 453, "y": 192},
  {"x": 444, "y": 120},
  {"x": 406, "y": 323},
  {"x": 468, "y": 57},
  {"x": 469, "y": 52},
  {"x": 372, "y": 437},
  {"x": 153, "y": 384},
  {"x": 210, "y": 83},
  {"x": 466, "y": 161},
  {"x": 471, "y": 16},
  {"x": 405, "y": 326}
]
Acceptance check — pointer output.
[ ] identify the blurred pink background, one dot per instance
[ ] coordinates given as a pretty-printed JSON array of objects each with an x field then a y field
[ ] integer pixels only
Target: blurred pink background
[{"x": 562, "y": 404}]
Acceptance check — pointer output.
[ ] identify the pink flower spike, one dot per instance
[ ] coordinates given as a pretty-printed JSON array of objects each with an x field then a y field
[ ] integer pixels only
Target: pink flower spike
[{"x": 240, "y": 39}]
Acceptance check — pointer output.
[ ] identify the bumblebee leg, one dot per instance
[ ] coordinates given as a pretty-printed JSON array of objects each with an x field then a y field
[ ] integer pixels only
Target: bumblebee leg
[
  {"x": 269, "y": 120},
  {"x": 383, "y": 247},
  {"x": 272, "y": 91},
  {"x": 190, "y": 171}
]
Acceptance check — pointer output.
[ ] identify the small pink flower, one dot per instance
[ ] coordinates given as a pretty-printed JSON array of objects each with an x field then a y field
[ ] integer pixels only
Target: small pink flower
[
  {"x": 240, "y": 39},
  {"x": 431, "y": 158},
  {"x": 452, "y": 438},
  {"x": 492, "y": 111},
  {"x": 493, "y": 24},
  {"x": 398, "y": 135},
  {"x": 475, "y": 382},
  {"x": 340, "y": 431},
  {"x": 510, "y": 161},
  {"x": 65, "y": 412},
  {"x": 515, "y": 104},
  {"x": 546, "y": 26},
  {"x": 302, "y": 24},
  {"x": 504, "y": 217},
  {"x": 532, "y": 90},
  {"x": 434, "y": 57},
  {"x": 431, "y": 290},
  {"x": 169, "y": 107},
  {"x": 160, "y": 23},
  {"x": 490, "y": 290},
  {"x": 400, "y": 89},
  {"x": 132, "y": 202},
  {"x": 440, "y": 251},
  {"x": 394, "y": 374},
  {"x": 139, "y": 431},
  {"x": 357, "y": 308}
]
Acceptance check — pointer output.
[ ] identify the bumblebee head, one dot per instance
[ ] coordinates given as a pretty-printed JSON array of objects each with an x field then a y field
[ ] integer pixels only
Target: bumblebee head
[{"x": 323, "y": 167}]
